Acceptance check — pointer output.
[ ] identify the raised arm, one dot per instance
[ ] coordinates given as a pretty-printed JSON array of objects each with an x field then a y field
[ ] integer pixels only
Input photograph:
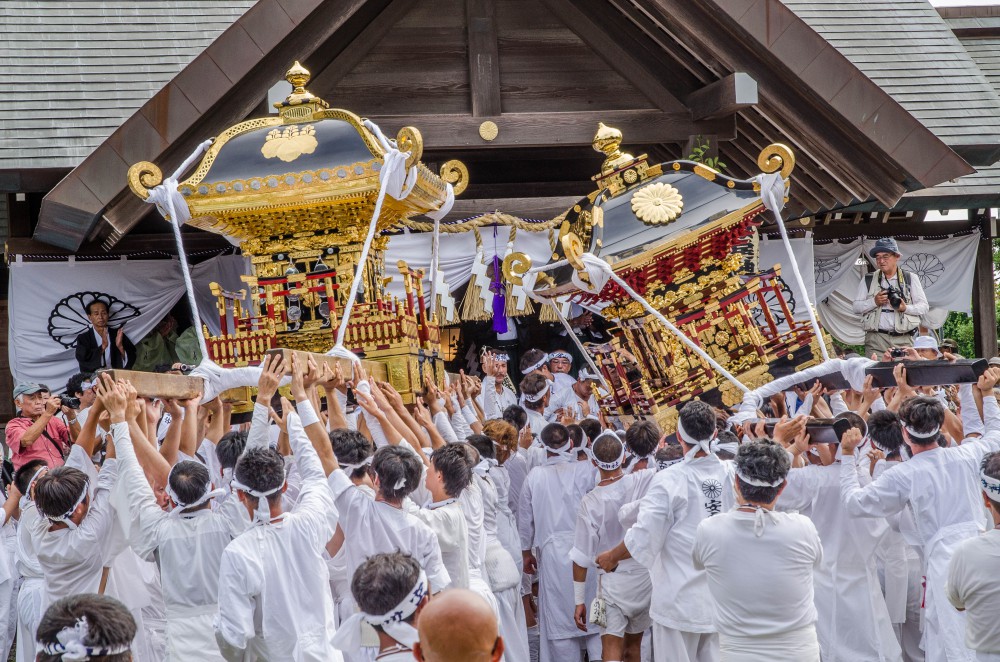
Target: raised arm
[
  {"x": 880, "y": 498},
  {"x": 272, "y": 370},
  {"x": 309, "y": 420},
  {"x": 172, "y": 441}
]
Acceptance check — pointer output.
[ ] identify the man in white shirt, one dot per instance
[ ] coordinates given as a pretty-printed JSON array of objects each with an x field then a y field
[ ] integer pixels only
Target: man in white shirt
[
  {"x": 576, "y": 399},
  {"x": 496, "y": 395},
  {"x": 973, "y": 580},
  {"x": 891, "y": 301},
  {"x": 937, "y": 485},
  {"x": 274, "y": 586},
  {"x": 390, "y": 591},
  {"x": 546, "y": 522},
  {"x": 662, "y": 538},
  {"x": 760, "y": 565}
]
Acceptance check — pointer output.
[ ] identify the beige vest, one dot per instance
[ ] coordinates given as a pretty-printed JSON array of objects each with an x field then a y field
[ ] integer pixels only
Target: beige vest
[{"x": 902, "y": 322}]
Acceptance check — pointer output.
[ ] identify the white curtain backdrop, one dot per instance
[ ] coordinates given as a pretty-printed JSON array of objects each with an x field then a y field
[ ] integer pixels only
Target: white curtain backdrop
[
  {"x": 946, "y": 268},
  {"x": 457, "y": 253},
  {"x": 46, "y": 302},
  {"x": 772, "y": 252}
]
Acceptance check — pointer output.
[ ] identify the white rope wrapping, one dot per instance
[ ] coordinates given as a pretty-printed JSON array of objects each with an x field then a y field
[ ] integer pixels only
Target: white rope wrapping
[
  {"x": 397, "y": 182},
  {"x": 174, "y": 209},
  {"x": 600, "y": 272},
  {"x": 772, "y": 194},
  {"x": 348, "y": 636}
]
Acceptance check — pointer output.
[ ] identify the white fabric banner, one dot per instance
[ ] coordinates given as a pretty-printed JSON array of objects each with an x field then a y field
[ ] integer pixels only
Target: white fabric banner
[
  {"x": 457, "y": 253},
  {"x": 946, "y": 268},
  {"x": 46, "y": 306}
]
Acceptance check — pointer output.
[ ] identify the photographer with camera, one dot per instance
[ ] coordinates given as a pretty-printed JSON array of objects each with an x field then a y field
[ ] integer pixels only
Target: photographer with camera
[
  {"x": 890, "y": 301},
  {"x": 37, "y": 433}
]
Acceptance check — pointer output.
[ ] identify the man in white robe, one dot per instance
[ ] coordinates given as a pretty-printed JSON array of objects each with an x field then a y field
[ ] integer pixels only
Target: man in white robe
[
  {"x": 853, "y": 623},
  {"x": 547, "y": 521},
  {"x": 628, "y": 590},
  {"x": 31, "y": 596},
  {"x": 759, "y": 565},
  {"x": 938, "y": 485},
  {"x": 274, "y": 593},
  {"x": 973, "y": 580},
  {"x": 187, "y": 545},
  {"x": 390, "y": 590},
  {"x": 663, "y": 536},
  {"x": 495, "y": 396}
]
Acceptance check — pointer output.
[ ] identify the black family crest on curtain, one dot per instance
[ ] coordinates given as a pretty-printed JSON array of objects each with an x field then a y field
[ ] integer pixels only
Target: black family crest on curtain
[
  {"x": 927, "y": 266},
  {"x": 774, "y": 305},
  {"x": 68, "y": 318}
]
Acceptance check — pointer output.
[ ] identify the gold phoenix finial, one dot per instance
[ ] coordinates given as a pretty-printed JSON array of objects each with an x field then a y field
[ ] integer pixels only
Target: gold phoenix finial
[{"x": 608, "y": 140}]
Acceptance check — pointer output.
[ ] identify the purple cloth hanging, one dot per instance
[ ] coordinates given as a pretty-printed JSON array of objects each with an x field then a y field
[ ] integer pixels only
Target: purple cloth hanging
[{"x": 497, "y": 288}]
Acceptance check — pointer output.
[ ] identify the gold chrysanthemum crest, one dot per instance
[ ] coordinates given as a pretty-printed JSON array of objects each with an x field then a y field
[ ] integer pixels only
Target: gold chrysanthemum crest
[{"x": 657, "y": 204}]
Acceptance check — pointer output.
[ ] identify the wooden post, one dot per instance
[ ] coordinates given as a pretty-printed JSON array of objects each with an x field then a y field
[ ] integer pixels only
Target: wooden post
[{"x": 984, "y": 305}]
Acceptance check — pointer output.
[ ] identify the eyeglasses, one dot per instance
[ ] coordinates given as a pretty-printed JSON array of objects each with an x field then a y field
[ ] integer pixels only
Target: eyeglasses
[{"x": 883, "y": 256}]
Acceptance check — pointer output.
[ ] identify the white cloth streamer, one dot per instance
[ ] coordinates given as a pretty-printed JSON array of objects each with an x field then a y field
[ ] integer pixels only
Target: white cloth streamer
[
  {"x": 174, "y": 209},
  {"x": 772, "y": 194},
  {"x": 708, "y": 444}
]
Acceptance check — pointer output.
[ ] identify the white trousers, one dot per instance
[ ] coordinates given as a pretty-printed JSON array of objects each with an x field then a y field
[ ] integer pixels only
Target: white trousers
[
  {"x": 670, "y": 645},
  {"x": 513, "y": 627},
  {"x": 30, "y": 599},
  {"x": 570, "y": 649}
]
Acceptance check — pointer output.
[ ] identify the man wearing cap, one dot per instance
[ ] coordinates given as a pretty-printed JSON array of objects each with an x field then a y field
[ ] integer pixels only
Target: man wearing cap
[
  {"x": 36, "y": 433},
  {"x": 926, "y": 347},
  {"x": 890, "y": 301}
]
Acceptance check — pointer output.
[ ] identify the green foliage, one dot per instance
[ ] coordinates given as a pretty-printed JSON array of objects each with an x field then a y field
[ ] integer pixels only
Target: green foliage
[
  {"x": 700, "y": 155},
  {"x": 959, "y": 327}
]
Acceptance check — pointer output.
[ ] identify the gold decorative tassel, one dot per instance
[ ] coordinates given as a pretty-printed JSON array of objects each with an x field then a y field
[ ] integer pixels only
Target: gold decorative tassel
[
  {"x": 547, "y": 313},
  {"x": 472, "y": 305}
]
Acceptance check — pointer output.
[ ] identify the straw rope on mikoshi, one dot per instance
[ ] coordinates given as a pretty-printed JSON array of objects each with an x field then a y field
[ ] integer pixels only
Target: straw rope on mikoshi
[
  {"x": 474, "y": 305},
  {"x": 490, "y": 218}
]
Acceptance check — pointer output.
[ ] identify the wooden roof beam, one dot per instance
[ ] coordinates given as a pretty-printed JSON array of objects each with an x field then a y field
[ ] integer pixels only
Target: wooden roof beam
[
  {"x": 618, "y": 54},
  {"x": 641, "y": 127},
  {"x": 723, "y": 98},
  {"x": 484, "y": 57}
]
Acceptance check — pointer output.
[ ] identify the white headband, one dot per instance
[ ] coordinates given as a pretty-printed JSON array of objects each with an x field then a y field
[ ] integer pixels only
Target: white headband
[
  {"x": 756, "y": 482},
  {"x": 663, "y": 464},
  {"x": 709, "y": 444},
  {"x": 561, "y": 355},
  {"x": 991, "y": 486},
  {"x": 348, "y": 636},
  {"x": 69, "y": 513},
  {"x": 609, "y": 466},
  {"x": 922, "y": 435},
  {"x": 565, "y": 451},
  {"x": 70, "y": 646},
  {"x": 209, "y": 493},
  {"x": 538, "y": 396},
  {"x": 262, "y": 515},
  {"x": 27, "y": 492},
  {"x": 536, "y": 366},
  {"x": 484, "y": 466},
  {"x": 351, "y": 468}
]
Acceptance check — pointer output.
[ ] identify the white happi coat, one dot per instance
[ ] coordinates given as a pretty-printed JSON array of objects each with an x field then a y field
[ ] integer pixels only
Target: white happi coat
[
  {"x": 663, "y": 536},
  {"x": 493, "y": 403},
  {"x": 546, "y": 520},
  {"x": 72, "y": 560},
  {"x": 274, "y": 589},
  {"x": 375, "y": 527},
  {"x": 853, "y": 622},
  {"x": 448, "y": 524},
  {"x": 941, "y": 486},
  {"x": 188, "y": 550}
]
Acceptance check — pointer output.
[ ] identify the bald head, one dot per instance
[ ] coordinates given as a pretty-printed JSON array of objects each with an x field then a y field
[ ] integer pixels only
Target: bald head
[{"x": 457, "y": 625}]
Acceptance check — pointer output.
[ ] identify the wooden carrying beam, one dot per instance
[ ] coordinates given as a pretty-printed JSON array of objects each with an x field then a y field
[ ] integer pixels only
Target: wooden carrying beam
[
  {"x": 159, "y": 385},
  {"x": 373, "y": 368}
]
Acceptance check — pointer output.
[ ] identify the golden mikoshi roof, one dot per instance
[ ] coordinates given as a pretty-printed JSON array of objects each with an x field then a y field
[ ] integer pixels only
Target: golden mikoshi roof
[{"x": 310, "y": 168}]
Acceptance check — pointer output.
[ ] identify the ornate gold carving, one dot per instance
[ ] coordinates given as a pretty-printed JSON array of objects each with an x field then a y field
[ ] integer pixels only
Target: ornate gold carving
[
  {"x": 410, "y": 140},
  {"x": 573, "y": 249},
  {"x": 657, "y": 204},
  {"x": 706, "y": 172},
  {"x": 776, "y": 157},
  {"x": 142, "y": 177},
  {"x": 608, "y": 140},
  {"x": 455, "y": 173},
  {"x": 289, "y": 143},
  {"x": 489, "y": 130},
  {"x": 515, "y": 266}
]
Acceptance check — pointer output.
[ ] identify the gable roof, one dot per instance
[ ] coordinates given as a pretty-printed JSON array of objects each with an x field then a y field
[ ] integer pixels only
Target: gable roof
[
  {"x": 74, "y": 71},
  {"x": 920, "y": 63}
]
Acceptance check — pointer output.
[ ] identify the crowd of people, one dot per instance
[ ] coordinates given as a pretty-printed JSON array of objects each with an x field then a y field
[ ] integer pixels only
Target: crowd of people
[{"x": 487, "y": 522}]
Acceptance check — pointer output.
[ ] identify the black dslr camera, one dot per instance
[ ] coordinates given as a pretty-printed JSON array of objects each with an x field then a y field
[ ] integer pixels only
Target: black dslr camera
[
  {"x": 895, "y": 296},
  {"x": 69, "y": 401}
]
